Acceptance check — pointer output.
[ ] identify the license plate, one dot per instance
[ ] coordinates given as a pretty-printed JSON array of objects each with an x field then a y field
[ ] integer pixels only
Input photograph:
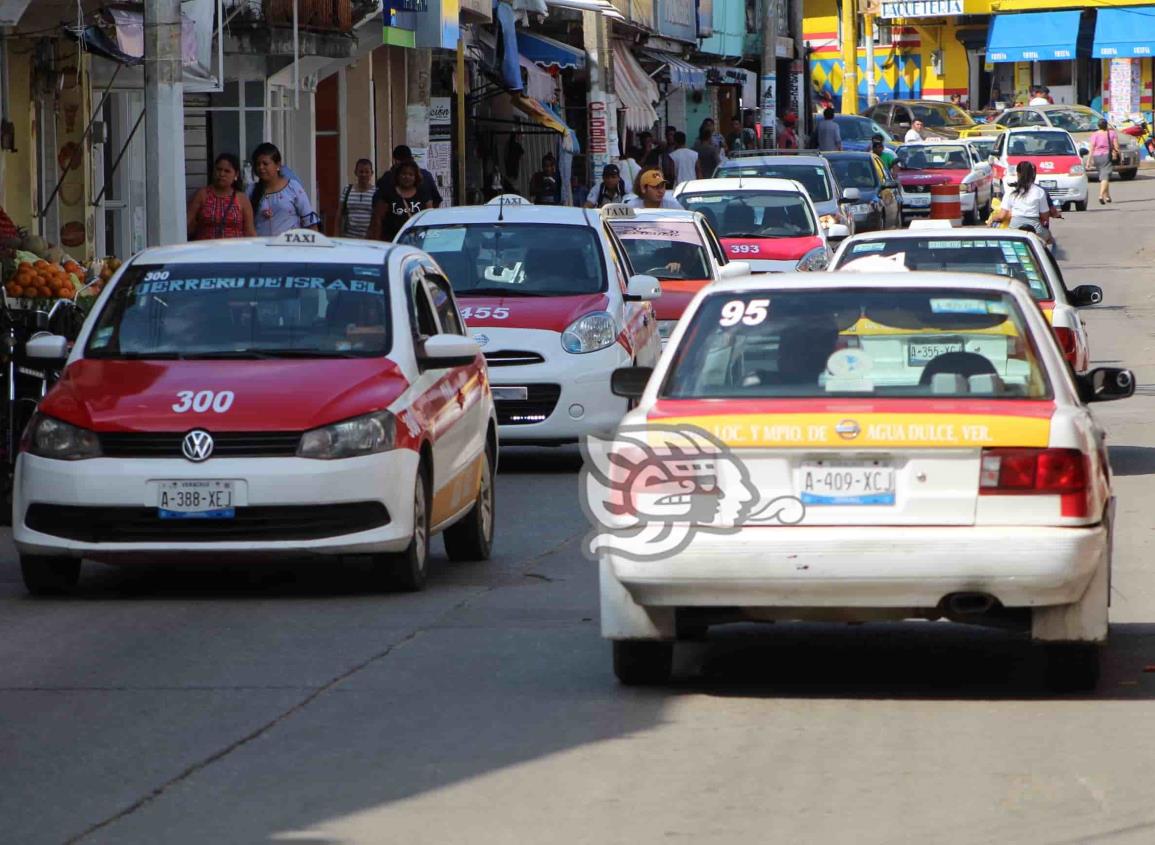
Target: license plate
[
  {"x": 200, "y": 499},
  {"x": 510, "y": 394},
  {"x": 846, "y": 483},
  {"x": 1048, "y": 183},
  {"x": 919, "y": 354},
  {"x": 917, "y": 200}
]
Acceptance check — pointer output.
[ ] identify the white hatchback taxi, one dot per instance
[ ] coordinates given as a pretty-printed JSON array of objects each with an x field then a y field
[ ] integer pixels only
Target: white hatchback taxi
[
  {"x": 821, "y": 449},
  {"x": 256, "y": 397}
]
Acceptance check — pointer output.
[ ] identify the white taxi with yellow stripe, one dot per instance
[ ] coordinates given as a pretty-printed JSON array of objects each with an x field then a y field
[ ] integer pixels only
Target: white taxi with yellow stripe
[{"x": 860, "y": 447}]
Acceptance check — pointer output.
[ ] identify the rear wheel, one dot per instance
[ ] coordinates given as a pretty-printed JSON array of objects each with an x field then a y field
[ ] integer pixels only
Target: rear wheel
[
  {"x": 1128, "y": 175},
  {"x": 49, "y": 576},
  {"x": 1073, "y": 667},
  {"x": 1080, "y": 206},
  {"x": 643, "y": 662},
  {"x": 472, "y": 537},
  {"x": 407, "y": 570}
]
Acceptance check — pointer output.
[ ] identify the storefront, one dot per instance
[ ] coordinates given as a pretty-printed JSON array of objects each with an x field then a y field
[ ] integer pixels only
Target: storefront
[
  {"x": 1125, "y": 42},
  {"x": 1050, "y": 49}
]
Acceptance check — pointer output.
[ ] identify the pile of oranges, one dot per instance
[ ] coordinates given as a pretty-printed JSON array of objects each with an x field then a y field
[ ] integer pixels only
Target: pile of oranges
[{"x": 44, "y": 280}]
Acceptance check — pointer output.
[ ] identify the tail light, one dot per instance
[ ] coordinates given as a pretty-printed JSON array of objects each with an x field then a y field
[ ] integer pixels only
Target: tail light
[
  {"x": 847, "y": 341},
  {"x": 1038, "y": 472},
  {"x": 1067, "y": 343}
]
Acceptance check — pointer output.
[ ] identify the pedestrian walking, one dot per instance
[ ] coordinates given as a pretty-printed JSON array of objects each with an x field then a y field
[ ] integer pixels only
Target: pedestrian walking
[
  {"x": 357, "y": 201},
  {"x": 650, "y": 191},
  {"x": 279, "y": 204},
  {"x": 685, "y": 160},
  {"x": 715, "y": 136},
  {"x": 610, "y": 190},
  {"x": 545, "y": 186},
  {"x": 1105, "y": 155},
  {"x": 405, "y": 195},
  {"x": 827, "y": 134},
  {"x": 401, "y": 153},
  {"x": 878, "y": 147},
  {"x": 788, "y": 140},
  {"x": 708, "y": 156},
  {"x": 221, "y": 209}
]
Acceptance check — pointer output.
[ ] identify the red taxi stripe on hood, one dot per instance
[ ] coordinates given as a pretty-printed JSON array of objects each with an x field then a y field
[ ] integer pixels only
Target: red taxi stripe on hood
[
  {"x": 551, "y": 313},
  {"x": 665, "y": 408},
  {"x": 769, "y": 249}
]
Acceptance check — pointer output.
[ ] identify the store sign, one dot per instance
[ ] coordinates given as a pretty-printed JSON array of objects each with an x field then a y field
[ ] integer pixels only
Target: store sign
[
  {"x": 678, "y": 19},
  {"x": 599, "y": 125},
  {"x": 921, "y": 8}
]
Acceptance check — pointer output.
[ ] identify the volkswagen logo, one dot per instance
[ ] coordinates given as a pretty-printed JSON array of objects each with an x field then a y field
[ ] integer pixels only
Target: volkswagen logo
[
  {"x": 847, "y": 429},
  {"x": 197, "y": 446}
]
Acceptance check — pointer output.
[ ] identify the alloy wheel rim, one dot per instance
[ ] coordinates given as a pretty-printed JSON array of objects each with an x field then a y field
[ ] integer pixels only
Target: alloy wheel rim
[
  {"x": 486, "y": 501},
  {"x": 419, "y": 522}
]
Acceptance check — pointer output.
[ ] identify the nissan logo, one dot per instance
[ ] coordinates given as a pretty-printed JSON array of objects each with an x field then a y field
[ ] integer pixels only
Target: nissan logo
[
  {"x": 847, "y": 429},
  {"x": 197, "y": 446}
]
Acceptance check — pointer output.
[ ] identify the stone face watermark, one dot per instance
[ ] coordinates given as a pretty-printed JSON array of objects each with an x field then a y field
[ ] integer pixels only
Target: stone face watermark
[{"x": 650, "y": 489}]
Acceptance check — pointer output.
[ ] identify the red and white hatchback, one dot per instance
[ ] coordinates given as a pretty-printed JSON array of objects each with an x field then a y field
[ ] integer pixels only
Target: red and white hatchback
[
  {"x": 290, "y": 395},
  {"x": 1058, "y": 164}
]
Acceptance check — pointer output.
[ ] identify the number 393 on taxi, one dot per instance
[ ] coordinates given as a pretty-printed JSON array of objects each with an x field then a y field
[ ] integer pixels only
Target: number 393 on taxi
[{"x": 263, "y": 397}]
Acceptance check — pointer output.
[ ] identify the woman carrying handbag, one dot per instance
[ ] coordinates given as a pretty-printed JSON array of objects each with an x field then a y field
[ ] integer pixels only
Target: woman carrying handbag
[{"x": 1105, "y": 155}]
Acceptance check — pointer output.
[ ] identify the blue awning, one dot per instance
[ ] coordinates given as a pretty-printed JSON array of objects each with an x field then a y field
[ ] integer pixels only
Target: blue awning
[
  {"x": 547, "y": 53},
  {"x": 1035, "y": 37},
  {"x": 682, "y": 73},
  {"x": 1124, "y": 33}
]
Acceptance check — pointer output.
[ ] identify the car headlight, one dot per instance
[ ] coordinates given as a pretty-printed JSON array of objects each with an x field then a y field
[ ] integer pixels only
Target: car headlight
[
  {"x": 1077, "y": 170},
  {"x": 365, "y": 435},
  {"x": 590, "y": 333},
  {"x": 666, "y": 328},
  {"x": 47, "y": 437},
  {"x": 861, "y": 208},
  {"x": 814, "y": 261}
]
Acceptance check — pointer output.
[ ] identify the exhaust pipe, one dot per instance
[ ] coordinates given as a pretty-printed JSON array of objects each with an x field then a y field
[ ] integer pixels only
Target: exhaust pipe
[{"x": 969, "y": 604}]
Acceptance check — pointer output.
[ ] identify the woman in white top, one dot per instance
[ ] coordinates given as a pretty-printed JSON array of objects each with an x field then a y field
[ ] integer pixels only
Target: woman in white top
[{"x": 1027, "y": 205}]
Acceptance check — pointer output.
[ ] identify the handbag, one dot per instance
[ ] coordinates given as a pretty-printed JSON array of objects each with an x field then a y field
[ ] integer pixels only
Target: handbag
[{"x": 1116, "y": 158}]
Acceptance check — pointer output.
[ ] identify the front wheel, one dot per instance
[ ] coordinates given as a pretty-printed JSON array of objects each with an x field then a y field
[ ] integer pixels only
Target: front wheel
[
  {"x": 643, "y": 662},
  {"x": 1073, "y": 667},
  {"x": 407, "y": 570},
  {"x": 471, "y": 538},
  {"x": 49, "y": 576}
]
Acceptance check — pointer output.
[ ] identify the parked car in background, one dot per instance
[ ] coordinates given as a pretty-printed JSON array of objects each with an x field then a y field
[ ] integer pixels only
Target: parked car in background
[
  {"x": 858, "y": 130},
  {"x": 1080, "y": 121},
  {"x": 880, "y": 198},
  {"x": 939, "y": 120}
]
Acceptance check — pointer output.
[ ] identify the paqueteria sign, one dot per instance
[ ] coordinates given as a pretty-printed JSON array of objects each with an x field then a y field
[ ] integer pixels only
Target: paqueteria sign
[{"x": 921, "y": 8}]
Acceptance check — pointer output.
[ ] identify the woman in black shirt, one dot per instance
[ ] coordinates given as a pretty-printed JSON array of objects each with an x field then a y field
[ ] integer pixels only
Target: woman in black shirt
[{"x": 395, "y": 202}]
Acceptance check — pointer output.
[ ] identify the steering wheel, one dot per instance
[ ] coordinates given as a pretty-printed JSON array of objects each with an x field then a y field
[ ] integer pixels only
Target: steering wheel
[{"x": 664, "y": 272}]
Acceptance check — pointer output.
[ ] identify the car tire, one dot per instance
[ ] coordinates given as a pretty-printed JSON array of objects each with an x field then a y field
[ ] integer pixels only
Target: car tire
[
  {"x": 1080, "y": 206},
  {"x": 1128, "y": 175},
  {"x": 1073, "y": 667},
  {"x": 48, "y": 575},
  {"x": 970, "y": 218},
  {"x": 643, "y": 662},
  {"x": 407, "y": 570},
  {"x": 471, "y": 538}
]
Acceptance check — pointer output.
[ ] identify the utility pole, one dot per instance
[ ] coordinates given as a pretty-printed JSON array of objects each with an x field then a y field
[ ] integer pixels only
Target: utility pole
[
  {"x": 601, "y": 114},
  {"x": 868, "y": 37},
  {"x": 849, "y": 57},
  {"x": 769, "y": 79},
  {"x": 164, "y": 166},
  {"x": 418, "y": 69}
]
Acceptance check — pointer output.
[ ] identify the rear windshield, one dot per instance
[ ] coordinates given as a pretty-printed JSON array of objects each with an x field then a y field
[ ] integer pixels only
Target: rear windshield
[
  {"x": 754, "y": 214},
  {"x": 521, "y": 259},
  {"x": 666, "y": 249},
  {"x": 859, "y": 128},
  {"x": 941, "y": 115},
  {"x": 857, "y": 342},
  {"x": 936, "y": 157},
  {"x": 1006, "y": 257},
  {"x": 1041, "y": 144},
  {"x": 1074, "y": 120},
  {"x": 249, "y": 310},
  {"x": 812, "y": 177},
  {"x": 855, "y": 172}
]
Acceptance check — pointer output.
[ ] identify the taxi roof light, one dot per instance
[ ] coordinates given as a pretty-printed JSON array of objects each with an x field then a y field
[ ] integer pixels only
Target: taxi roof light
[{"x": 301, "y": 237}]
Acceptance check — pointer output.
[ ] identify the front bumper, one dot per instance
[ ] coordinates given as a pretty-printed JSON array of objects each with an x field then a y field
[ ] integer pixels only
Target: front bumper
[
  {"x": 268, "y": 483},
  {"x": 1065, "y": 189}
]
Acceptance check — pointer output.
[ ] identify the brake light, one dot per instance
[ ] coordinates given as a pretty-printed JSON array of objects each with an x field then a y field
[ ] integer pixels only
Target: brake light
[
  {"x": 1038, "y": 472},
  {"x": 1067, "y": 343}
]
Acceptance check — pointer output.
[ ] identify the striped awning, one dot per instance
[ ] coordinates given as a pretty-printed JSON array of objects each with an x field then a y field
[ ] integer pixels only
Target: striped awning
[{"x": 635, "y": 89}]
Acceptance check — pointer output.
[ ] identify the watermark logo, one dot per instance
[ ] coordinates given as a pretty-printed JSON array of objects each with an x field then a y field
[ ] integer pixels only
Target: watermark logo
[{"x": 650, "y": 489}]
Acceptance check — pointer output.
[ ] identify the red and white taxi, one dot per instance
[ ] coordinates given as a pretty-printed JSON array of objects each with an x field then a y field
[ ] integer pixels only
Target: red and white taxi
[
  {"x": 783, "y": 464},
  {"x": 769, "y": 223},
  {"x": 930, "y": 163},
  {"x": 280, "y": 396},
  {"x": 676, "y": 247},
  {"x": 547, "y": 294},
  {"x": 1058, "y": 165}
]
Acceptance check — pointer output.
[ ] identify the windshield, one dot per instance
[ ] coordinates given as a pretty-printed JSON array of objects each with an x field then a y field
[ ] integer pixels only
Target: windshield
[
  {"x": 1074, "y": 120},
  {"x": 856, "y": 172},
  {"x": 754, "y": 214},
  {"x": 941, "y": 115},
  {"x": 876, "y": 342},
  {"x": 934, "y": 157},
  {"x": 519, "y": 259},
  {"x": 812, "y": 177},
  {"x": 859, "y": 128},
  {"x": 249, "y": 310},
  {"x": 1009, "y": 257},
  {"x": 1041, "y": 144},
  {"x": 666, "y": 249}
]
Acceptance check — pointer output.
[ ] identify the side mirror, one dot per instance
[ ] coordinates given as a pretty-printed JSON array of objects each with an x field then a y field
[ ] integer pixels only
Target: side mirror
[
  {"x": 1083, "y": 151},
  {"x": 630, "y": 382},
  {"x": 1106, "y": 383},
  {"x": 735, "y": 269},
  {"x": 1086, "y": 295},
  {"x": 47, "y": 347},
  {"x": 837, "y": 231},
  {"x": 851, "y": 195},
  {"x": 643, "y": 288},
  {"x": 891, "y": 185},
  {"x": 447, "y": 350}
]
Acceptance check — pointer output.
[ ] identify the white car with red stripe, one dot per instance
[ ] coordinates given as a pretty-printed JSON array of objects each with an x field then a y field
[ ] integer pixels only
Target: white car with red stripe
[
  {"x": 1056, "y": 156},
  {"x": 1001, "y": 252},
  {"x": 771, "y": 224},
  {"x": 782, "y": 465},
  {"x": 263, "y": 397},
  {"x": 547, "y": 293},
  {"x": 927, "y": 164}
]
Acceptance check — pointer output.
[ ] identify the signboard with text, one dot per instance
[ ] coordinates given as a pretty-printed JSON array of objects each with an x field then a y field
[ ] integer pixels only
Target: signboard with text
[
  {"x": 921, "y": 8},
  {"x": 677, "y": 19}
]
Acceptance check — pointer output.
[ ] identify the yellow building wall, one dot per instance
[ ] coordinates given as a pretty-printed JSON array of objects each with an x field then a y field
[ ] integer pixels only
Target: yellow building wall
[{"x": 19, "y": 194}]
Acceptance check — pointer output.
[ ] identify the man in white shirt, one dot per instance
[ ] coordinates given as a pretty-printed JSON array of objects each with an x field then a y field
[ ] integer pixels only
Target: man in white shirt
[
  {"x": 652, "y": 185},
  {"x": 1037, "y": 98},
  {"x": 685, "y": 160},
  {"x": 914, "y": 133}
]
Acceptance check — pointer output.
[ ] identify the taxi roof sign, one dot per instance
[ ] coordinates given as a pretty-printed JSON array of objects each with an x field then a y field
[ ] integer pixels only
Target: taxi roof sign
[
  {"x": 617, "y": 210},
  {"x": 509, "y": 199},
  {"x": 300, "y": 237}
]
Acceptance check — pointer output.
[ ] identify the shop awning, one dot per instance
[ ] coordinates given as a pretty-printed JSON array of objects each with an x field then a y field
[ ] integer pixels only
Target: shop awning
[
  {"x": 1035, "y": 37},
  {"x": 1124, "y": 33},
  {"x": 537, "y": 112},
  {"x": 635, "y": 89},
  {"x": 682, "y": 73},
  {"x": 548, "y": 53}
]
